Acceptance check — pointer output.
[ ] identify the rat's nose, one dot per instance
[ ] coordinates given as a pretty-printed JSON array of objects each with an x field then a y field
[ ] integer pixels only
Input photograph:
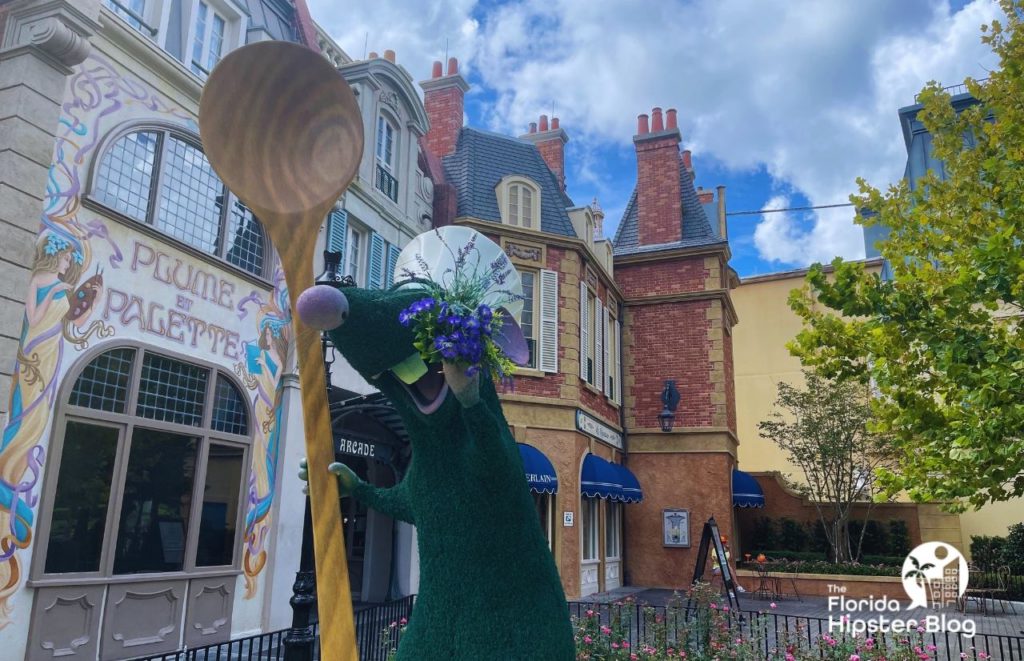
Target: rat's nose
[{"x": 322, "y": 307}]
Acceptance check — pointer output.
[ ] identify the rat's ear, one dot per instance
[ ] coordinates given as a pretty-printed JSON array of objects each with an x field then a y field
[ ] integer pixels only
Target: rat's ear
[{"x": 322, "y": 307}]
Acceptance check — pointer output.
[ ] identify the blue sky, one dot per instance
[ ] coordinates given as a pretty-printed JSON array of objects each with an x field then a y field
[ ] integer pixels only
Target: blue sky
[{"x": 785, "y": 102}]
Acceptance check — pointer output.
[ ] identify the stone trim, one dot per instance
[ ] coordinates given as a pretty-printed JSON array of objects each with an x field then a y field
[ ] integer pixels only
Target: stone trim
[{"x": 693, "y": 440}]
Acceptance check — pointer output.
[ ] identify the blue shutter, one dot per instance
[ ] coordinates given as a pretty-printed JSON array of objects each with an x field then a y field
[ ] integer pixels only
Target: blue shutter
[
  {"x": 376, "y": 279},
  {"x": 389, "y": 276},
  {"x": 337, "y": 230}
]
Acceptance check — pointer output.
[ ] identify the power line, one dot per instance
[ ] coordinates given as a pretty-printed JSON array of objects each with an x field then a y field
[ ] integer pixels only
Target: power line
[{"x": 761, "y": 211}]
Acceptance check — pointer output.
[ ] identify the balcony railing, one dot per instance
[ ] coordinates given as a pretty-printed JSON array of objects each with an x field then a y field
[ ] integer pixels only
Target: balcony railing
[
  {"x": 386, "y": 183},
  {"x": 130, "y": 17}
]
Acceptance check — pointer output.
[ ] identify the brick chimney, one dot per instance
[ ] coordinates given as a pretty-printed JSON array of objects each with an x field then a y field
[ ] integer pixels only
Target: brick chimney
[
  {"x": 444, "y": 100},
  {"x": 550, "y": 141},
  {"x": 658, "y": 196}
]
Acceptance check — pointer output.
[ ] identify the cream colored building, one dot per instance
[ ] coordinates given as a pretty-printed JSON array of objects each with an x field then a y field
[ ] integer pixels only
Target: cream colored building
[{"x": 762, "y": 362}]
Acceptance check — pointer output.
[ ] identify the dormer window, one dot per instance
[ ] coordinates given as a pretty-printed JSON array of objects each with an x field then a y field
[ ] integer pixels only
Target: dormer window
[
  {"x": 386, "y": 181},
  {"x": 519, "y": 200}
]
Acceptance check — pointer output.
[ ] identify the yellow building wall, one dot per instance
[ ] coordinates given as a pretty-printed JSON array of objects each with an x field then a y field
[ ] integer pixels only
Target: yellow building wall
[{"x": 762, "y": 361}]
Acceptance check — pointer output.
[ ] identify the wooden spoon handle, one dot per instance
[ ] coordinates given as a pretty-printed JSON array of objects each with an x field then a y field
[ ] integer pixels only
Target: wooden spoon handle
[{"x": 334, "y": 595}]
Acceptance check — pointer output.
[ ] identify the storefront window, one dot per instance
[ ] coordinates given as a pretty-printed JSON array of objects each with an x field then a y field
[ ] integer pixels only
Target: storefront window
[
  {"x": 542, "y": 501},
  {"x": 588, "y": 514},
  {"x": 180, "y": 458},
  {"x": 613, "y": 530}
]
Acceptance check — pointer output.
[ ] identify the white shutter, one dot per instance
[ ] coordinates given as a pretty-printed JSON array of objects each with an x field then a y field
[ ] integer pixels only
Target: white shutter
[
  {"x": 599, "y": 355},
  {"x": 376, "y": 270},
  {"x": 618, "y": 357},
  {"x": 608, "y": 341},
  {"x": 548, "y": 358},
  {"x": 584, "y": 330}
]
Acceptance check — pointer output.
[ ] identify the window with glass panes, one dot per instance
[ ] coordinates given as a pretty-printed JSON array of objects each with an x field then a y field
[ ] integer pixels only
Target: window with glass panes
[
  {"x": 528, "y": 324},
  {"x": 588, "y": 514},
  {"x": 544, "y": 503},
  {"x": 207, "y": 40},
  {"x": 613, "y": 529},
  {"x": 521, "y": 205},
  {"x": 163, "y": 179},
  {"x": 385, "y": 142},
  {"x": 148, "y": 465},
  {"x": 353, "y": 260}
]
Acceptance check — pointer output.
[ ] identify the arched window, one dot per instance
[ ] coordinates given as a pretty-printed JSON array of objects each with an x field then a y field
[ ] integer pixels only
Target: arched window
[
  {"x": 387, "y": 158},
  {"x": 162, "y": 178},
  {"x": 148, "y": 458},
  {"x": 519, "y": 201}
]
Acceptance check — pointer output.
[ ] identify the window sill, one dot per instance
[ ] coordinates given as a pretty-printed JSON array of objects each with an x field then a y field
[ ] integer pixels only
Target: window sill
[
  {"x": 57, "y": 580},
  {"x": 591, "y": 388},
  {"x": 529, "y": 372}
]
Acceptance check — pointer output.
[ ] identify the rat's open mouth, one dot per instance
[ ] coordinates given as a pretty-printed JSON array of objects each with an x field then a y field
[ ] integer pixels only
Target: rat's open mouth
[{"x": 428, "y": 391}]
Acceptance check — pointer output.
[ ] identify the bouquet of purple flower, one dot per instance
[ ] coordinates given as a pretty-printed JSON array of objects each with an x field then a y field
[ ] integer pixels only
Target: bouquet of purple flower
[{"x": 467, "y": 318}]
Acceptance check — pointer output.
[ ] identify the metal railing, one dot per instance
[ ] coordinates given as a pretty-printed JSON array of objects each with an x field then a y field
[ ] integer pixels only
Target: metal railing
[
  {"x": 371, "y": 623},
  {"x": 130, "y": 17},
  {"x": 777, "y": 631},
  {"x": 386, "y": 183}
]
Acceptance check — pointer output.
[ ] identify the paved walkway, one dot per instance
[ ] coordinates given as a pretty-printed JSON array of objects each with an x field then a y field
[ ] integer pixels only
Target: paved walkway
[{"x": 995, "y": 622}]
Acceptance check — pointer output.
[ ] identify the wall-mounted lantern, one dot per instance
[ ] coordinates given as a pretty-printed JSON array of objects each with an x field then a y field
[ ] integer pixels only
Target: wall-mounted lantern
[{"x": 669, "y": 401}]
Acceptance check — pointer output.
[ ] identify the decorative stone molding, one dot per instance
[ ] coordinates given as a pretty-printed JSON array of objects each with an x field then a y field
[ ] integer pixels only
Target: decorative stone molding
[{"x": 58, "y": 28}]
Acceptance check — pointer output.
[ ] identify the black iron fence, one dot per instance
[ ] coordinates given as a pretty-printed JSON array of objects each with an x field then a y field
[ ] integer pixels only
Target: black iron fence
[
  {"x": 775, "y": 633},
  {"x": 371, "y": 624}
]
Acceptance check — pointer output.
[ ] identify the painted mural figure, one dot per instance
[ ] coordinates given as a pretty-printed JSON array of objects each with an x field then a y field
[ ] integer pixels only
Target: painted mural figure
[
  {"x": 54, "y": 310},
  {"x": 265, "y": 361}
]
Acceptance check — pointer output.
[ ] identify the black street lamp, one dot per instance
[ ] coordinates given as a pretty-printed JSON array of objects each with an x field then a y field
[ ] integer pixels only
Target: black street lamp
[
  {"x": 300, "y": 639},
  {"x": 669, "y": 401}
]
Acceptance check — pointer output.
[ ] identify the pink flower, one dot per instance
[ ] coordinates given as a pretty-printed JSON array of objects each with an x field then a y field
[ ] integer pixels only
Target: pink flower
[
  {"x": 590, "y": 613},
  {"x": 983, "y": 656},
  {"x": 403, "y": 622},
  {"x": 790, "y": 657},
  {"x": 714, "y": 605},
  {"x": 615, "y": 646},
  {"x": 963, "y": 655},
  {"x": 587, "y": 639},
  {"x": 725, "y": 609},
  {"x": 773, "y": 605},
  {"x": 920, "y": 630},
  {"x": 605, "y": 629},
  {"x": 869, "y": 643},
  {"x": 625, "y": 644},
  {"x": 931, "y": 648},
  {"x": 633, "y": 657},
  {"x": 854, "y": 657}
]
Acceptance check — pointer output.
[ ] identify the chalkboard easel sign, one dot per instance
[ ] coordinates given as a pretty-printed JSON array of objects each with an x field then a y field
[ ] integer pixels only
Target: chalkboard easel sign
[{"x": 708, "y": 537}]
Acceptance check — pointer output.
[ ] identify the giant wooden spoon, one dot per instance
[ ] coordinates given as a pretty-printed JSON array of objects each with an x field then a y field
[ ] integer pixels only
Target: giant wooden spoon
[{"x": 282, "y": 129}]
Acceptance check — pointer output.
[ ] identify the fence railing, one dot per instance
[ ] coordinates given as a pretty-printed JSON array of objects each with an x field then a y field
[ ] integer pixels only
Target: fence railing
[
  {"x": 777, "y": 631},
  {"x": 370, "y": 623}
]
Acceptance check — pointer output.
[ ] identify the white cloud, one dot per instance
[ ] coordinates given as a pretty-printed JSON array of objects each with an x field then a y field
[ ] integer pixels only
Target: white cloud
[
  {"x": 809, "y": 90},
  {"x": 778, "y": 237}
]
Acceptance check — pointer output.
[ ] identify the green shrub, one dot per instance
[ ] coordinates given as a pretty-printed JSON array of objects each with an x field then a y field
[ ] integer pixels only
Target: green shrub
[
  {"x": 764, "y": 534},
  {"x": 825, "y": 567},
  {"x": 876, "y": 537},
  {"x": 785, "y": 554},
  {"x": 899, "y": 538},
  {"x": 1013, "y": 552},
  {"x": 888, "y": 560},
  {"x": 793, "y": 535},
  {"x": 987, "y": 552}
]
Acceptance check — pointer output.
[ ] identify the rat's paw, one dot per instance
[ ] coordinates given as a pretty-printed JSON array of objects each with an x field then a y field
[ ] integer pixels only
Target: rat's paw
[{"x": 347, "y": 480}]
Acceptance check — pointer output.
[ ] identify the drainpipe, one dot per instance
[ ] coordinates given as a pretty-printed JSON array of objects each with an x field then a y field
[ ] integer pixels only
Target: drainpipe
[{"x": 620, "y": 315}]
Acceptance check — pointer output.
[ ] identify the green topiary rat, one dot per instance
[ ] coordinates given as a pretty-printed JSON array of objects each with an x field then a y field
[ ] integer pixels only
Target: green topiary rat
[{"x": 489, "y": 588}]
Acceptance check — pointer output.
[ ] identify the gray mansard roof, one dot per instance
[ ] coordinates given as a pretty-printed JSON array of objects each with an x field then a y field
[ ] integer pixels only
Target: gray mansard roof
[
  {"x": 697, "y": 230},
  {"x": 482, "y": 159}
]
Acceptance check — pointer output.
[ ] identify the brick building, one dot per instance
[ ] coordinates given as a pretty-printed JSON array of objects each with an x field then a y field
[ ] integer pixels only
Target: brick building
[{"x": 609, "y": 323}]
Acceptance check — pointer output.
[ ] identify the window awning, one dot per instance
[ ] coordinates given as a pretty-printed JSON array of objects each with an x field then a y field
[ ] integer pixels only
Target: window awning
[
  {"x": 629, "y": 485},
  {"x": 540, "y": 474},
  {"x": 746, "y": 492},
  {"x": 600, "y": 479}
]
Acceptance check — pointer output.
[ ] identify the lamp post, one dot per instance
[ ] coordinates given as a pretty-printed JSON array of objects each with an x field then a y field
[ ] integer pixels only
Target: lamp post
[
  {"x": 669, "y": 402},
  {"x": 300, "y": 639}
]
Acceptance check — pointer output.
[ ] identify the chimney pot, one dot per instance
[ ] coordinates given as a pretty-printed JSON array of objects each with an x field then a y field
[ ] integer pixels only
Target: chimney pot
[
  {"x": 656, "y": 121},
  {"x": 436, "y": 72},
  {"x": 543, "y": 123},
  {"x": 641, "y": 125},
  {"x": 389, "y": 55},
  {"x": 373, "y": 55},
  {"x": 554, "y": 123},
  {"x": 453, "y": 66},
  {"x": 687, "y": 160},
  {"x": 670, "y": 119},
  {"x": 533, "y": 127}
]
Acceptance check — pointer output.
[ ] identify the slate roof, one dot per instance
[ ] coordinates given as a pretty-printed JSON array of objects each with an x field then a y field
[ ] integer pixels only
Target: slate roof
[
  {"x": 277, "y": 17},
  {"x": 481, "y": 159},
  {"x": 697, "y": 230}
]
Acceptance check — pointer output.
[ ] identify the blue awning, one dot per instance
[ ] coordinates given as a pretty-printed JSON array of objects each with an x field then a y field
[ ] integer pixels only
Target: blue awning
[
  {"x": 600, "y": 479},
  {"x": 746, "y": 492},
  {"x": 540, "y": 474},
  {"x": 629, "y": 485}
]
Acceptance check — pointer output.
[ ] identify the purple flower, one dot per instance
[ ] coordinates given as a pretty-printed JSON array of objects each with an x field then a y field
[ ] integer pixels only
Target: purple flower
[
  {"x": 405, "y": 317},
  {"x": 472, "y": 369}
]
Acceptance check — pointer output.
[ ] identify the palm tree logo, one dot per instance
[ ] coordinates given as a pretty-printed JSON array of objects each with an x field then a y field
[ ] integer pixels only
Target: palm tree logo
[{"x": 918, "y": 572}]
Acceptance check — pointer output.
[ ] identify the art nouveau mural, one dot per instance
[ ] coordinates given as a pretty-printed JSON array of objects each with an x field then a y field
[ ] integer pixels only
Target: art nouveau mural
[{"x": 96, "y": 280}]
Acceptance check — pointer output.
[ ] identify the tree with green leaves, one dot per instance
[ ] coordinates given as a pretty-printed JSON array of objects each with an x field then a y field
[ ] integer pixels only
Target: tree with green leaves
[
  {"x": 823, "y": 428},
  {"x": 941, "y": 341}
]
